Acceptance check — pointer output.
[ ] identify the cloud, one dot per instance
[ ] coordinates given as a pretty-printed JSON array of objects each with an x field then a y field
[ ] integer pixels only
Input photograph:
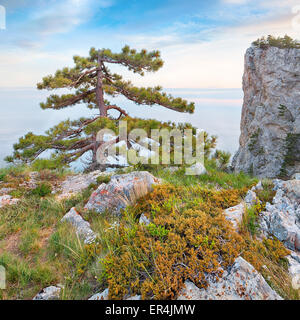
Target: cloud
[
  {"x": 199, "y": 50},
  {"x": 235, "y": 1},
  {"x": 44, "y": 19},
  {"x": 24, "y": 68},
  {"x": 217, "y": 62},
  {"x": 63, "y": 16},
  {"x": 27, "y": 44},
  {"x": 266, "y": 3}
]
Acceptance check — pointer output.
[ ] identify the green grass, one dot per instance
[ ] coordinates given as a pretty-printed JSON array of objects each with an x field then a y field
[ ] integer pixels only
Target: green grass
[
  {"x": 214, "y": 178},
  {"x": 38, "y": 250},
  {"x": 29, "y": 242},
  {"x": 250, "y": 220},
  {"x": 24, "y": 279}
]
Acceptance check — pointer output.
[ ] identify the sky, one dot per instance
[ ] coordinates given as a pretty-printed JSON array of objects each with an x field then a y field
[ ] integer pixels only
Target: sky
[{"x": 202, "y": 43}]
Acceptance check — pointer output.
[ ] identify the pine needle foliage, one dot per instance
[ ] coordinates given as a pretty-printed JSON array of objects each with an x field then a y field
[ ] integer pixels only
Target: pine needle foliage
[{"x": 89, "y": 82}]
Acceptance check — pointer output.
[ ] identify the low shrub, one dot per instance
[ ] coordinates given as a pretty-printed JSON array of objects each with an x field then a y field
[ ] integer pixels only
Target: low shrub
[
  {"x": 42, "y": 190},
  {"x": 279, "y": 42},
  {"x": 103, "y": 179},
  {"x": 187, "y": 239}
]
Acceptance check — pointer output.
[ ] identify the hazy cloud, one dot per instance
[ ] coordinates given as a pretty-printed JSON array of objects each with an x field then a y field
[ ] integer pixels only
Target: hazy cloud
[{"x": 63, "y": 16}]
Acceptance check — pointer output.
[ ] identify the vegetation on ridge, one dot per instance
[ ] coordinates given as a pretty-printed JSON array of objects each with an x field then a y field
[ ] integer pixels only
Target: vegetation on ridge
[
  {"x": 279, "y": 42},
  {"x": 188, "y": 237}
]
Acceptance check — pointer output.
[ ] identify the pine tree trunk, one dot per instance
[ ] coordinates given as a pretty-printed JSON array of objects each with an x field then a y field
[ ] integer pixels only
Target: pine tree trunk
[{"x": 99, "y": 90}]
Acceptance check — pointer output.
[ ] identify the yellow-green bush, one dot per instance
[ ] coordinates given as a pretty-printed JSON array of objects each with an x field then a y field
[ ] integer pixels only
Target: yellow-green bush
[{"x": 187, "y": 239}]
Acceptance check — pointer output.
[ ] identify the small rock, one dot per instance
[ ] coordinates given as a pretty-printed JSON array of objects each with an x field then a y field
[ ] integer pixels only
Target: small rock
[
  {"x": 5, "y": 191},
  {"x": 75, "y": 184},
  {"x": 100, "y": 296},
  {"x": 196, "y": 169},
  {"x": 295, "y": 256},
  {"x": 242, "y": 282},
  {"x": 294, "y": 269},
  {"x": 49, "y": 293},
  {"x": 7, "y": 200},
  {"x": 296, "y": 176},
  {"x": 121, "y": 191},
  {"x": 251, "y": 198},
  {"x": 258, "y": 186},
  {"x": 83, "y": 228},
  {"x": 235, "y": 214},
  {"x": 144, "y": 220},
  {"x": 136, "y": 297}
]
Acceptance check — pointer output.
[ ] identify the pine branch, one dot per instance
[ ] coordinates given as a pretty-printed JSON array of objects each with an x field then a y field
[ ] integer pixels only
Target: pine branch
[
  {"x": 151, "y": 96},
  {"x": 63, "y": 101},
  {"x": 122, "y": 112}
]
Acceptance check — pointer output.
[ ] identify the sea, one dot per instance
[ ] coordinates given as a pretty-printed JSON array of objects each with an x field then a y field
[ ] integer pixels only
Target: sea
[{"x": 218, "y": 111}]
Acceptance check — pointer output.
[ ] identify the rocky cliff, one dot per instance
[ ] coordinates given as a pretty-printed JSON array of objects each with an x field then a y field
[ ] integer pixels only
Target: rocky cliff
[{"x": 270, "y": 123}]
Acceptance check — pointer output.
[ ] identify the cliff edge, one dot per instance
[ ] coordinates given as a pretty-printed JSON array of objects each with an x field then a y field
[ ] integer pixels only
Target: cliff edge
[{"x": 270, "y": 123}]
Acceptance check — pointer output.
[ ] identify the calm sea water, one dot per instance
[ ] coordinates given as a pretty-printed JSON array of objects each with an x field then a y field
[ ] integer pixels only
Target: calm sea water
[{"x": 218, "y": 111}]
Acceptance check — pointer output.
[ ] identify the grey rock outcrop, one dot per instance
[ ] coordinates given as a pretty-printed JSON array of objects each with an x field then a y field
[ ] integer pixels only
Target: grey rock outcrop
[
  {"x": 271, "y": 112},
  {"x": 235, "y": 214},
  {"x": 136, "y": 297},
  {"x": 5, "y": 191},
  {"x": 196, "y": 169},
  {"x": 105, "y": 294},
  {"x": 82, "y": 227},
  {"x": 49, "y": 293},
  {"x": 296, "y": 176},
  {"x": 72, "y": 185},
  {"x": 100, "y": 296},
  {"x": 121, "y": 191},
  {"x": 294, "y": 269},
  {"x": 282, "y": 218},
  {"x": 241, "y": 282},
  {"x": 250, "y": 198},
  {"x": 7, "y": 200}
]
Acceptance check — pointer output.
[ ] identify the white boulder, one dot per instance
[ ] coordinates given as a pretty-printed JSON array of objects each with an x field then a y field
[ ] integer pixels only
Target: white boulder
[{"x": 82, "y": 227}]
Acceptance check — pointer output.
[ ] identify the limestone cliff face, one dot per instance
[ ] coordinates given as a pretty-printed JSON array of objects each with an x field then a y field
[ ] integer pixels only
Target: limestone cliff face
[{"x": 270, "y": 124}]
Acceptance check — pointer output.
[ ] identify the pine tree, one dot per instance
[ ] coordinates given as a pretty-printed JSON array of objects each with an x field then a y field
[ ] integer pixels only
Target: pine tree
[{"x": 89, "y": 82}]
